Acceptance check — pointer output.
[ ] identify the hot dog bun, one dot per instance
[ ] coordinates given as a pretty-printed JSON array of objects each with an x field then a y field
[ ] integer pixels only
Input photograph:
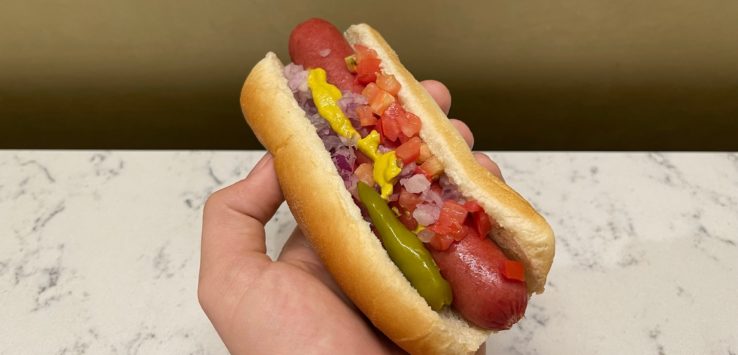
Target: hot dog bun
[{"x": 332, "y": 222}]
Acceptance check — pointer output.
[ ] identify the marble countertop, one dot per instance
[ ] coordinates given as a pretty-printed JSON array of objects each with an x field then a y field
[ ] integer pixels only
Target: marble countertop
[{"x": 99, "y": 251}]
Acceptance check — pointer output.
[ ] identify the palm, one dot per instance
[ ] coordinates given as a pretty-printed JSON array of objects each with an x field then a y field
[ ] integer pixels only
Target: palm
[
  {"x": 291, "y": 305},
  {"x": 316, "y": 318}
]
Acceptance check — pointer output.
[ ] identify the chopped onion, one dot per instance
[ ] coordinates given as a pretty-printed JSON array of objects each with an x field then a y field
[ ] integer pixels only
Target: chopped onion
[
  {"x": 416, "y": 183},
  {"x": 363, "y": 131},
  {"x": 351, "y": 185},
  {"x": 321, "y": 126},
  {"x": 426, "y": 235},
  {"x": 343, "y": 151},
  {"x": 426, "y": 214},
  {"x": 449, "y": 190},
  {"x": 349, "y": 102},
  {"x": 296, "y": 78},
  {"x": 344, "y": 158},
  {"x": 324, "y": 52},
  {"x": 432, "y": 197},
  {"x": 408, "y": 169},
  {"x": 332, "y": 142},
  {"x": 383, "y": 149}
]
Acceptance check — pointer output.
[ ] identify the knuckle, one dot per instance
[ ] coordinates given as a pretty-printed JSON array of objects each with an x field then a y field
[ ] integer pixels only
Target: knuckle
[
  {"x": 214, "y": 200},
  {"x": 202, "y": 294},
  {"x": 488, "y": 164}
]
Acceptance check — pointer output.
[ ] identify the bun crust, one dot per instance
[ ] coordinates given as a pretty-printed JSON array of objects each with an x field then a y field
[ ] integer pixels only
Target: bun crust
[{"x": 333, "y": 224}]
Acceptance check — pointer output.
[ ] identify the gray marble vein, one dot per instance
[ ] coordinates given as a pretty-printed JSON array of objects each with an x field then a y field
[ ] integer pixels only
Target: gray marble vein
[{"x": 99, "y": 251}]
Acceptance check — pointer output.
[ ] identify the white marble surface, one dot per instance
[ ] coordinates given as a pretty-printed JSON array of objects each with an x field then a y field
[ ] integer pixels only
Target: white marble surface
[{"x": 99, "y": 251}]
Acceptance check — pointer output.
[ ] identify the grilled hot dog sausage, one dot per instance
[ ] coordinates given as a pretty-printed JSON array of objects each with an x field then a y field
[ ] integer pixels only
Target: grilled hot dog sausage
[
  {"x": 482, "y": 294},
  {"x": 316, "y": 43}
]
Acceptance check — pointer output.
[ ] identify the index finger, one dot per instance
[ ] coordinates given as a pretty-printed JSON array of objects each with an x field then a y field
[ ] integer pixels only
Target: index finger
[
  {"x": 442, "y": 96},
  {"x": 439, "y": 92}
]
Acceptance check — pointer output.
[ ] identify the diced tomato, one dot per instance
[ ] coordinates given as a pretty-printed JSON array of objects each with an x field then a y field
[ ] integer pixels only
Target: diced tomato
[
  {"x": 364, "y": 52},
  {"x": 381, "y": 101},
  {"x": 406, "y": 217},
  {"x": 361, "y": 158},
  {"x": 368, "y": 66},
  {"x": 441, "y": 242},
  {"x": 513, "y": 270},
  {"x": 482, "y": 223},
  {"x": 451, "y": 220},
  {"x": 364, "y": 173},
  {"x": 470, "y": 232},
  {"x": 370, "y": 91},
  {"x": 408, "y": 200},
  {"x": 479, "y": 219},
  {"x": 419, "y": 170},
  {"x": 431, "y": 168},
  {"x": 409, "y": 151},
  {"x": 394, "y": 111},
  {"x": 390, "y": 126},
  {"x": 472, "y": 206},
  {"x": 366, "y": 117},
  {"x": 453, "y": 211},
  {"x": 424, "y": 153},
  {"x": 378, "y": 128},
  {"x": 410, "y": 124},
  {"x": 401, "y": 138},
  {"x": 386, "y": 143},
  {"x": 454, "y": 230},
  {"x": 388, "y": 83},
  {"x": 365, "y": 78},
  {"x": 460, "y": 233}
]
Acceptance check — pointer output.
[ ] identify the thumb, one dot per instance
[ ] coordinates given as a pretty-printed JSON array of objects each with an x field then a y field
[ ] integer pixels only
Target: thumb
[{"x": 234, "y": 217}]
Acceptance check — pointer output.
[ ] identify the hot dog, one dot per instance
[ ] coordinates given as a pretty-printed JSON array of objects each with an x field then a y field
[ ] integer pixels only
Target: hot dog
[
  {"x": 422, "y": 184},
  {"x": 485, "y": 298}
]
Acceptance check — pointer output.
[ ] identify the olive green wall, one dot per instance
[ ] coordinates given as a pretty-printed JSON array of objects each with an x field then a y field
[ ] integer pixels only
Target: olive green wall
[{"x": 569, "y": 74}]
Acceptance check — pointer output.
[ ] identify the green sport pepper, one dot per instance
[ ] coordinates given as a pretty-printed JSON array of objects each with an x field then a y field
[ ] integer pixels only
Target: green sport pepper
[{"x": 406, "y": 251}]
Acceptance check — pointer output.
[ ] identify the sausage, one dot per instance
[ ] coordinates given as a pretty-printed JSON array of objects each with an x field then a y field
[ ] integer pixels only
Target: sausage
[
  {"x": 317, "y": 43},
  {"x": 481, "y": 293}
]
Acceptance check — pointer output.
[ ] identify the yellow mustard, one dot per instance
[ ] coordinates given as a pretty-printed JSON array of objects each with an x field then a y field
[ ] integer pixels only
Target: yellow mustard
[
  {"x": 385, "y": 171},
  {"x": 385, "y": 165},
  {"x": 369, "y": 145},
  {"x": 326, "y": 96}
]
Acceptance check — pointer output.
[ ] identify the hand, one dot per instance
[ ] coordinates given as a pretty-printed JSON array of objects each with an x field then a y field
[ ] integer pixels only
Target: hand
[{"x": 260, "y": 306}]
